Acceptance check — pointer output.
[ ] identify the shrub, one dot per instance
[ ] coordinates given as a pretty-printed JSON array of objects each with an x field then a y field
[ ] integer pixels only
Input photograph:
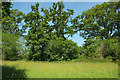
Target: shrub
[
  {"x": 10, "y": 47},
  {"x": 59, "y": 50},
  {"x": 91, "y": 47},
  {"x": 109, "y": 48}
]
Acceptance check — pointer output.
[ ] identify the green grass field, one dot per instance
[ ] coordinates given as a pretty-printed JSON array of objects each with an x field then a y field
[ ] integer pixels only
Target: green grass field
[{"x": 30, "y": 69}]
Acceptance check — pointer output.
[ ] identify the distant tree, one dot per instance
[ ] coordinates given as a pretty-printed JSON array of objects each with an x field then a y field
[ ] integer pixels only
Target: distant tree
[
  {"x": 6, "y": 9},
  {"x": 100, "y": 27},
  {"x": 12, "y": 22},
  {"x": 36, "y": 38},
  {"x": 11, "y": 31},
  {"x": 42, "y": 28},
  {"x": 59, "y": 19},
  {"x": 102, "y": 20},
  {"x": 59, "y": 50},
  {"x": 109, "y": 48},
  {"x": 10, "y": 47}
]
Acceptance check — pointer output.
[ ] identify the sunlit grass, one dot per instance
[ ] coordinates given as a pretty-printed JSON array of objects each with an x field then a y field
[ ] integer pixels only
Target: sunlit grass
[{"x": 65, "y": 69}]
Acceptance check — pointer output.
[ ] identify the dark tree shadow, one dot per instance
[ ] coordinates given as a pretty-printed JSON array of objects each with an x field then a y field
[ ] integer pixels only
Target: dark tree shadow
[{"x": 12, "y": 72}]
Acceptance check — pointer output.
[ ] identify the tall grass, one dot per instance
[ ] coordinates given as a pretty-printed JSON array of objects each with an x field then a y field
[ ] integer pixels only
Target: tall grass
[{"x": 64, "y": 69}]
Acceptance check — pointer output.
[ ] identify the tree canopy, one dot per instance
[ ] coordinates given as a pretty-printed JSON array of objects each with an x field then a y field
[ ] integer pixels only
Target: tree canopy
[
  {"x": 47, "y": 28},
  {"x": 43, "y": 28},
  {"x": 102, "y": 20},
  {"x": 11, "y": 32}
]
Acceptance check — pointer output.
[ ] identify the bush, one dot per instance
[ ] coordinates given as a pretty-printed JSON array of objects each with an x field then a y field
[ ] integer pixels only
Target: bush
[
  {"x": 91, "y": 47},
  {"x": 107, "y": 49},
  {"x": 10, "y": 47},
  {"x": 110, "y": 49},
  {"x": 59, "y": 50}
]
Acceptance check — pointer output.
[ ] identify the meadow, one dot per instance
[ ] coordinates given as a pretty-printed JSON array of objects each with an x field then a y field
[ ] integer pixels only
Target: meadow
[{"x": 31, "y": 69}]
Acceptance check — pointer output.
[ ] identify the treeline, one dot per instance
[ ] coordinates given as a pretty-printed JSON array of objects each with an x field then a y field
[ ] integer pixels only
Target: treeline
[{"x": 46, "y": 41}]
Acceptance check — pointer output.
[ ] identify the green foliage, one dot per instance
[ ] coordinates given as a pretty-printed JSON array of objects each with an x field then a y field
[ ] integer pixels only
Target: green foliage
[
  {"x": 109, "y": 48},
  {"x": 100, "y": 27},
  {"x": 11, "y": 23},
  {"x": 59, "y": 50},
  {"x": 46, "y": 39},
  {"x": 102, "y": 49},
  {"x": 11, "y": 19},
  {"x": 11, "y": 32},
  {"x": 10, "y": 47},
  {"x": 101, "y": 20},
  {"x": 6, "y": 8},
  {"x": 37, "y": 36},
  {"x": 44, "y": 28},
  {"x": 90, "y": 47},
  {"x": 59, "y": 18}
]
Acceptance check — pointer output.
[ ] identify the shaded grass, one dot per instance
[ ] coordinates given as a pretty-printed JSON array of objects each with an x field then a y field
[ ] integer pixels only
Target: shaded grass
[
  {"x": 12, "y": 72},
  {"x": 64, "y": 69}
]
